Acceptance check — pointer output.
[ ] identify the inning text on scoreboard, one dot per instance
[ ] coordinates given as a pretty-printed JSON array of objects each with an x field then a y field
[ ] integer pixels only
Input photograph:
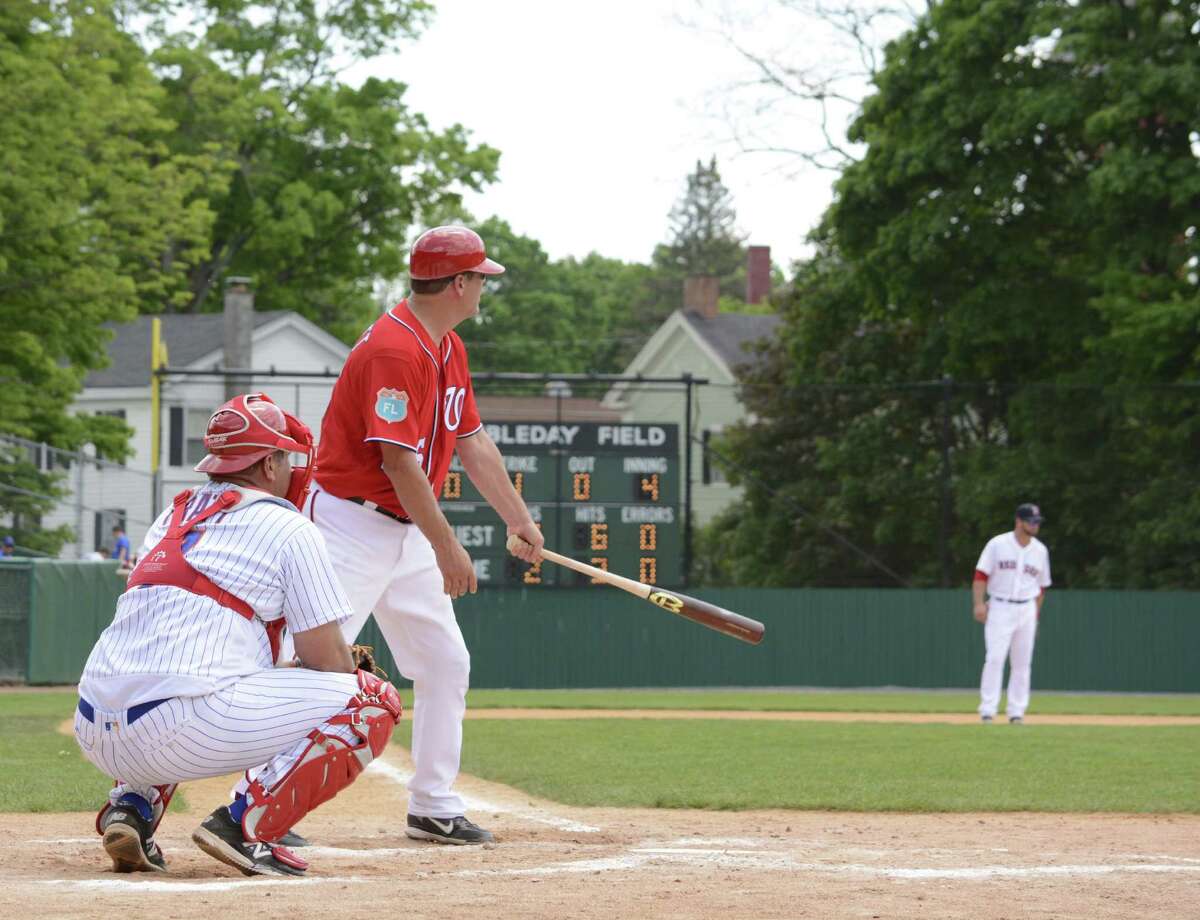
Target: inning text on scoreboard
[{"x": 605, "y": 493}]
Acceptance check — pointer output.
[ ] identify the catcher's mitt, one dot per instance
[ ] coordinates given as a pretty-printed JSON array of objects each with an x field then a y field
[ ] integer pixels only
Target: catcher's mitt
[{"x": 364, "y": 660}]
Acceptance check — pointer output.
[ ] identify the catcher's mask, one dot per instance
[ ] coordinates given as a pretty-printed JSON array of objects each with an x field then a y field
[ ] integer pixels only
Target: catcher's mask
[{"x": 250, "y": 427}]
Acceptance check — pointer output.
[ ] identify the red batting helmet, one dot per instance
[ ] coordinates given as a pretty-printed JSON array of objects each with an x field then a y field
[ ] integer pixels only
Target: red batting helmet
[
  {"x": 248, "y": 428},
  {"x": 445, "y": 251}
]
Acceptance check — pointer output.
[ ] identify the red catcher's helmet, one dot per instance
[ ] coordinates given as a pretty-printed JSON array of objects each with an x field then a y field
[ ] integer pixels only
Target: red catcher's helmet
[
  {"x": 446, "y": 251},
  {"x": 248, "y": 428}
]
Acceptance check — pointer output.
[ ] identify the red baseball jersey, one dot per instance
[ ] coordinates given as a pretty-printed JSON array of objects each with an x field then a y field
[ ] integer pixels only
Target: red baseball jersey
[{"x": 397, "y": 387}]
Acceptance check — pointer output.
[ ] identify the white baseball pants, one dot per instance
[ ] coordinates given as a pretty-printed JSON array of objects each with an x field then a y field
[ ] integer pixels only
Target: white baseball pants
[
  {"x": 1009, "y": 633},
  {"x": 389, "y": 568},
  {"x": 262, "y": 720}
]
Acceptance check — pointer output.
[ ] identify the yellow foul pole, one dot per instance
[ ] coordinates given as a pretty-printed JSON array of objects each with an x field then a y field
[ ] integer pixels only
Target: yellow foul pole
[{"x": 158, "y": 359}]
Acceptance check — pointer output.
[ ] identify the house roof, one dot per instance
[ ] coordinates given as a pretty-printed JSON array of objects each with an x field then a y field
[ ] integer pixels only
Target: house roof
[
  {"x": 729, "y": 333},
  {"x": 189, "y": 337},
  {"x": 544, "y": 408}
]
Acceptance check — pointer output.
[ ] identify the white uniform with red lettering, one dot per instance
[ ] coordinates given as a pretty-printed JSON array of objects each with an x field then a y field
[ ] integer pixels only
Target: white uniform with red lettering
[
  {"x": 1016, "y": 576},
  {"x": 400, "y": 387}
]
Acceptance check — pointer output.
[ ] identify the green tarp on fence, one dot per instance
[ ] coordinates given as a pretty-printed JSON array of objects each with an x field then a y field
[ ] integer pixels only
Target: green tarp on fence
[{"x": 51, "y": 613}]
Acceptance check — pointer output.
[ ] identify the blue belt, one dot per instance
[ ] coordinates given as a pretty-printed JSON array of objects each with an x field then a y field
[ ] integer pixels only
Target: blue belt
[{"x": 131, "y": 715}]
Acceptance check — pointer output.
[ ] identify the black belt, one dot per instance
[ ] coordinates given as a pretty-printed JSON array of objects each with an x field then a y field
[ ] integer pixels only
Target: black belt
[
  {"x": 131, "y": 715},
  {"x": 1009, "y": 600},
  {"x": 374, "y": 507}
]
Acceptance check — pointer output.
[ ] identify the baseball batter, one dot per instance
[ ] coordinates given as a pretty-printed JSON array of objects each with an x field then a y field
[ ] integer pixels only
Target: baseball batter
[
  {"x": 1014, "y": 569},
  {"x": 401, "y": 408},
  {"x": 182, "y": 684}
]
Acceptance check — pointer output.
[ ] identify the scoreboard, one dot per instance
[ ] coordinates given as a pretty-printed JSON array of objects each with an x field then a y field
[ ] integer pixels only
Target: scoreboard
[{"x": 605, "y": 494}]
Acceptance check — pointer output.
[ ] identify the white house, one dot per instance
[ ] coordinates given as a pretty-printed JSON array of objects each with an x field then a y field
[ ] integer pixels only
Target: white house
[
  {"x": 700, "y": 341},
  {"x": 124, "y": 493}
]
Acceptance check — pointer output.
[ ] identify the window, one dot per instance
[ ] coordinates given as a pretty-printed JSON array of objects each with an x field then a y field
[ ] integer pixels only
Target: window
[
  {"x": 712, "y": 472},
  {"x": 197, "y": 423},
  {"x": 106, "y": 520},
  {"x": 175, "y": 436},
  {"x": 185, "y": 435}
]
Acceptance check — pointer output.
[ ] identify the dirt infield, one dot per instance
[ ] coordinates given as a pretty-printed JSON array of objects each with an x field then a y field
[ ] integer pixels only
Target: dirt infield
[{"x": 552, "y": 861}]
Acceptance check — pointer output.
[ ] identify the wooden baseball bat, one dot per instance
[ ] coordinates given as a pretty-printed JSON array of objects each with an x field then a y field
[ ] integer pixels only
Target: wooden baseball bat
[{"x": 702, "y": 612}]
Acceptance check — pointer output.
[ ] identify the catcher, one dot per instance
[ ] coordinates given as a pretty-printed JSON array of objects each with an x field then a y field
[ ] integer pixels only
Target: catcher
[{"x": 182, "y": 685}]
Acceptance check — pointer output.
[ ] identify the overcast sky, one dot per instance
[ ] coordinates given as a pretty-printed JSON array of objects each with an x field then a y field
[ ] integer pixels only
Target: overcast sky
[{"x": 600, "y": 110}]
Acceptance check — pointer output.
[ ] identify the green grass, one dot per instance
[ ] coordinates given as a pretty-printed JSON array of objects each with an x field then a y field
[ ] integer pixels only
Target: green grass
[
  {"x": 42, "y": 770},
  {"x": 841, "y": 766},
  {"x": 742, "y": 764},
  {"x": 831, "y": 701}
]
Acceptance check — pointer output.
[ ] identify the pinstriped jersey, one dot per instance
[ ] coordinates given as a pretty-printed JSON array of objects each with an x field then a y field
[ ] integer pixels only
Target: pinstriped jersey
[
  {"x": 165, "y": 641},
  {"x": 398, "y": 387}
]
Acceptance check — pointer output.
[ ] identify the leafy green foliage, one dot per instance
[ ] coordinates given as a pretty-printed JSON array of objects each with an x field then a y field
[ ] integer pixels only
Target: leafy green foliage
[
  {"x": 317, "y": 185},
  {"x": 1024, "y": 225},
  {"x": 90, "y": 197},
  {"x": 568, "y": 316}
]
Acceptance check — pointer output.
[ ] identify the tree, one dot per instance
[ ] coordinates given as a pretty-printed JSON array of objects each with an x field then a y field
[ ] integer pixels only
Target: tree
[
  {"x": 542, "y": 315},
  {"x": 704, "y": 239},
  {"x": 318, "y": 184},
  {"x": 89, "y": 198},
  {"x": 795, "y": 99},
  {"x": 1023, "y": 223}
]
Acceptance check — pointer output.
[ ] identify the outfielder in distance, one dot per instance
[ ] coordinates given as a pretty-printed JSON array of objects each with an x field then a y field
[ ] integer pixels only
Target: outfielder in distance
[
  {"x": 400, "y": 409},
  {"x": 1014, "y": 568},
  {"x": 182, "y": 685}
]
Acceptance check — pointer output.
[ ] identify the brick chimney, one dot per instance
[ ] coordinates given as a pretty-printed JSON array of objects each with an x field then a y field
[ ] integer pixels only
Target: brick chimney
[
  {"x": 700, "y": 295},
  {"x": 238, "y": 332},
  {"x": 758, "y": 273}
]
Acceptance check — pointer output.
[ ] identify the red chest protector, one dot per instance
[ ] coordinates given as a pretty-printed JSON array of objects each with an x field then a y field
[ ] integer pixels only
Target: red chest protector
[{"x": 165, "y": 564}]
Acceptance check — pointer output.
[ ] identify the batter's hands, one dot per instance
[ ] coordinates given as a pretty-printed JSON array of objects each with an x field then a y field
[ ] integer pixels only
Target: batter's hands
[
  {"x": 981, "y": 612},
  {"x": 458, "y": 573},
  {"x": 532, "y": 541}
]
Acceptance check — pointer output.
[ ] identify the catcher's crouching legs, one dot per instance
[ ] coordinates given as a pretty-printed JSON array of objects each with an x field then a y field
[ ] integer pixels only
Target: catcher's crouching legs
[{"x": 292, "y": 784}]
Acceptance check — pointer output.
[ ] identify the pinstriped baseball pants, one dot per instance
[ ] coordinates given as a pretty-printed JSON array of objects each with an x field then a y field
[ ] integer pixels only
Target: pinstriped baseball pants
[{"x": 263, "y": 721}]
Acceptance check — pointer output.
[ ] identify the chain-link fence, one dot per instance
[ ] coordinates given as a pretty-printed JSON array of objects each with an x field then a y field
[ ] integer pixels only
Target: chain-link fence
[
  {"x": 602, "y": 461},
  {"x": 66, "y": 503}
]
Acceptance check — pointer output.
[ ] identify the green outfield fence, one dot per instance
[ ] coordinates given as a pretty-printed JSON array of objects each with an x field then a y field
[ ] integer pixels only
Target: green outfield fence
[{"x": 1134, "y": 641}]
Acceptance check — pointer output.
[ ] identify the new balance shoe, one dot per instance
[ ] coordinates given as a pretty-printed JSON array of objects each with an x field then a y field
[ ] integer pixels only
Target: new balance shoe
[
  {"x": 457, "y": 830},
  {"x": 221, "y": 838},
  {"x": 293, "y": 841},
  {"x": 127, "y": 841}
]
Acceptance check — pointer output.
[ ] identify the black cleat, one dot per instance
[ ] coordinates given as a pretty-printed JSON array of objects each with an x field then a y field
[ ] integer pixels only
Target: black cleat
[
  {"x": 221, "y": 838},
  {"x": 127, "y": 840},
  {"x": 457, "y": 830},
  {"x": 1016, "y": 720},
  {"x": 293, "y": 841},
  {"x": 986, "y": 720}
]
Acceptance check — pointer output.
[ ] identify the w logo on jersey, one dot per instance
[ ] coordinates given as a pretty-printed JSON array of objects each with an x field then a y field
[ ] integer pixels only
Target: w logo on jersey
[
  {"x": 391, "y": 405},
  {"x": 455, "y": 396}
]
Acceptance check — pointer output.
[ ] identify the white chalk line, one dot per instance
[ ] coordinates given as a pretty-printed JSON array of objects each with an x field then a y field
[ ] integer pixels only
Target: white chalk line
[
  {"x": 685, "y": 854},
  {"x": 245, "y": 886},
  {"x": 475, "y": 804}
]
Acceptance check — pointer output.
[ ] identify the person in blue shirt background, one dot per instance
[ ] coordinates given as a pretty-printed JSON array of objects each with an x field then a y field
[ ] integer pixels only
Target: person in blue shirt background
[
  {"x": 8, "y": 547},
  {"x": 120, "y": 545}
]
